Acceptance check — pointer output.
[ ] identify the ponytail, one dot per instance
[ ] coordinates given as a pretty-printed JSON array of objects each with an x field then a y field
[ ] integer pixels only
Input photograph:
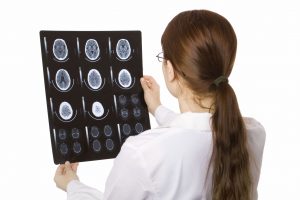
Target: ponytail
[{"x": 230, "y": 158}]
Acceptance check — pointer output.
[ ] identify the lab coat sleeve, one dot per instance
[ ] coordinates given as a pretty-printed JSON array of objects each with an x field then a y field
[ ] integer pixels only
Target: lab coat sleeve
[
  {"x": 164, "y": 115},
  {"x": 78, "y": 191},
  {"x": 128, "y": 178}
]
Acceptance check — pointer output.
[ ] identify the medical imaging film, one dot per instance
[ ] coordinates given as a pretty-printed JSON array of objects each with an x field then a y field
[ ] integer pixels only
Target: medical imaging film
[{"x": 93, "y": 93}]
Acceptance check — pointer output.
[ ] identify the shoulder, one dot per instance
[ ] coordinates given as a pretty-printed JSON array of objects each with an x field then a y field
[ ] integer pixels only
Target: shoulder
[
  {"x": 165, "y": 143},
  {"x": 140, "y": 149},
  {"x": 147, "y": 138},
  {"x": 255, "y": 130},
  {"x": 253, "y": 125}
]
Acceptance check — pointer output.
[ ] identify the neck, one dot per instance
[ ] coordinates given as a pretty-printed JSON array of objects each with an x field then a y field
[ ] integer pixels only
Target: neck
[{"x": 187, "y": 103}]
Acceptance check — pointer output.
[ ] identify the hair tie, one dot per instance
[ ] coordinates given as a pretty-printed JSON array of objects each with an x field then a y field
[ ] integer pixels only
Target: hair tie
[{"x": 219, "y": 80}]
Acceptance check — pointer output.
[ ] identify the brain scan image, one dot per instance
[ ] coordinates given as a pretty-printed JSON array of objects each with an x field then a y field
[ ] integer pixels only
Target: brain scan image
[
  {"x": 94, "y": 97},
  {"x": 107, "y": 130},
  {"x": 77, "y": 147},
  {"x": 124, "y": 78},
  {"x": 62, "y": 134},
  {"x": 60, "y": 49},
  {"x": 96, "y": 145},
  {"x": 109, "y": 143},
  {"x": 75, "y": 133},
  {"x": 135, "y": 99},
  {"x": 95, "y": 131},
  {"x": 65, "y": 110},
  {"x": 97, "y": 109},
  {"x": 124, "y": 113},
  {"x": 94, "y": 79},
  {"x": 92, "y": 50},
  {"x": 139, "y": 127},
  {"x": 122, "y": 100},
  {"x": 137, "y": 112},
  {"x": 62, "y": 79},
  {"x": 123, "y": 49},
  {"x": 126, "y": 129},
  {"x": 63, "y": 148}
]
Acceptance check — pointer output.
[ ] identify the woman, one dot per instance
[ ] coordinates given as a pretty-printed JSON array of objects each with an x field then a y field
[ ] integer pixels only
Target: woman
[{"x": 208, "y": 151}]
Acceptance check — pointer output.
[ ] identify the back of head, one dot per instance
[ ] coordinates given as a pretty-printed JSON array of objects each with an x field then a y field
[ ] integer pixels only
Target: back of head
[{"x": 201, "y": 45}]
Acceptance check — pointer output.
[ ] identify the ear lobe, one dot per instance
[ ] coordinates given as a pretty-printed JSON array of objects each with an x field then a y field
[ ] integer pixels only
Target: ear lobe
[{"x": 170, "y": 71}]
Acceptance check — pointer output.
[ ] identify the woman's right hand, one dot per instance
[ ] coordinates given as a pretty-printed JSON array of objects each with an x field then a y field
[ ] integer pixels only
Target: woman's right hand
[{"x": 151, "y": 93}]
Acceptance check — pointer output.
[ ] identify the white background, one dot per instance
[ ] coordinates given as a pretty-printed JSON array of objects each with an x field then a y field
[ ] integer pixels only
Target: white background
[{"x": 266, "y": 79}]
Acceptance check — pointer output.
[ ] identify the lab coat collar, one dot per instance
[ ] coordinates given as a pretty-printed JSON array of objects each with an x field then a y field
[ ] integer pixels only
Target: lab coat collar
[{"x": 191, "y": 120}]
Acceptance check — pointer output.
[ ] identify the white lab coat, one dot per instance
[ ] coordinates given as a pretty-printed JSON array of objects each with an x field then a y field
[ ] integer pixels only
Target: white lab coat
[{"x": 169, "y": 162}]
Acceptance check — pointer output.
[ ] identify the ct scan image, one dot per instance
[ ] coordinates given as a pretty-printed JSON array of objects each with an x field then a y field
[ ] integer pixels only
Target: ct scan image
[
  {"x": 60, "y": 49},
  {"x": 93, "y": 95},
  {"x": 123, "y": 49}
]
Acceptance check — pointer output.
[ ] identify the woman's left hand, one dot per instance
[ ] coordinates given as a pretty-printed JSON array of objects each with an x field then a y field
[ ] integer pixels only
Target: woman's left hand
[{"x": 65, "y": 173}]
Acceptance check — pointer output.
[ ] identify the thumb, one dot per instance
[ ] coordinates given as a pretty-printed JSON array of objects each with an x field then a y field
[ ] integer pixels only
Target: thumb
[{"x": 59, "y": 170}]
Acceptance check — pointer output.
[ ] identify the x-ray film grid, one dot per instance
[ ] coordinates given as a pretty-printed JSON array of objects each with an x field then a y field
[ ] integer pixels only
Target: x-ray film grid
[{"x": 94, "y": 97}]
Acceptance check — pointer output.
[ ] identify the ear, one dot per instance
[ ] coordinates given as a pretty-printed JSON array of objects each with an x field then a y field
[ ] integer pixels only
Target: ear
[{"x": 170, "y": 73}]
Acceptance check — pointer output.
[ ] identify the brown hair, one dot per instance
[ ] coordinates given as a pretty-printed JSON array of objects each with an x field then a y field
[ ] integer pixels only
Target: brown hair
[{"x": 201, "y": 45}]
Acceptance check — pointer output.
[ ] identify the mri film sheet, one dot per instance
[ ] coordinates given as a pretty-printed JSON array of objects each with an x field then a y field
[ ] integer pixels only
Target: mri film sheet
[{"x": 94, "y": 97}]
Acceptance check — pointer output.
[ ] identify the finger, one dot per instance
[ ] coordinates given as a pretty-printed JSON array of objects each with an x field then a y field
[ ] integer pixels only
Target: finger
[
  {"x": 68, "y": 166},
  {"x": 144, "y": 84},
  {"x": 74, "y": 166},
  {"x": 147, "y": 77},
  {"x": 151, "y": 80},
  {"x": 60, "y": 170}
]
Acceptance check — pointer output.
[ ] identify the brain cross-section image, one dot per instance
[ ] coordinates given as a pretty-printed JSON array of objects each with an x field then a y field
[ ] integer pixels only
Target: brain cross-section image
[
  {"x": 109, "y": 144},
  {"x": 107, "y": 130},
  {"x": 60, "y": 49},
  {"x": 92, "y": 50},
  {"x": 123, "y": 49},
  {"x": 65, "y": 110},
  {"x": 96, "y": 145},
  {"x": 139, "y": 127},
  {"x": 97, "y": 109},
  {"x": 124, "y": 78},
  {"x": 94, "y": 79},
  {"x": 94, "y": 98},
  {"x": 62, "y": 79},
  {"x": 126, "y": 129}
]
